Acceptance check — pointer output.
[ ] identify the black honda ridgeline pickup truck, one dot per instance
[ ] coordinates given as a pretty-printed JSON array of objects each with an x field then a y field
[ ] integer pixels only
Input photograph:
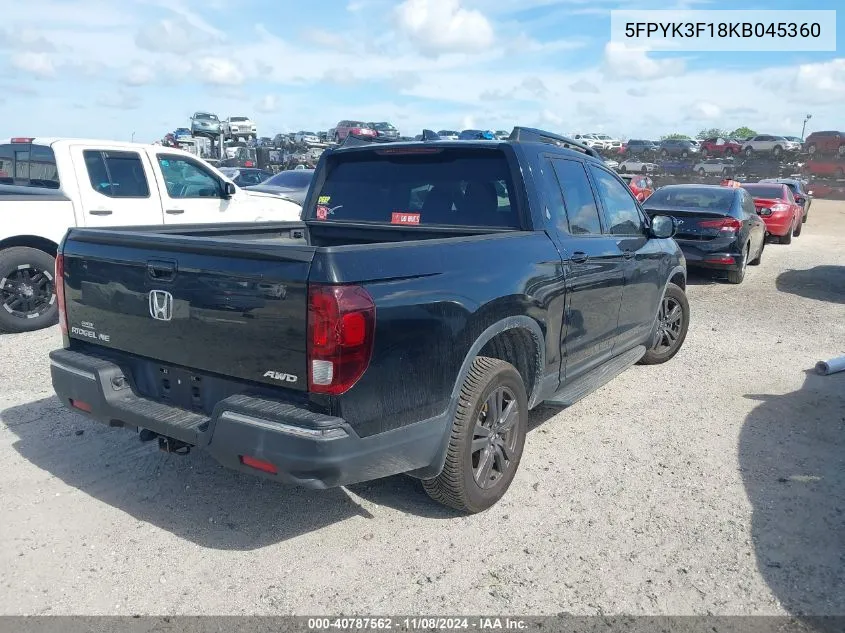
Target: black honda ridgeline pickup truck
[{"x": 434, "y": 292}]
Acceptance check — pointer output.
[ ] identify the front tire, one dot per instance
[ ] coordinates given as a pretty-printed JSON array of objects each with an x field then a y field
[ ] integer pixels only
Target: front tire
[
  {"x": 27, "y": 290},
  {"x": 487, "y": 438},
  {"x": 672, "y": 325}
]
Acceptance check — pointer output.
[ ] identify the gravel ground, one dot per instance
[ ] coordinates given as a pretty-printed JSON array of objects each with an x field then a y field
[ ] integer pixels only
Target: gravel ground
[{"x": 711, "y": 484}]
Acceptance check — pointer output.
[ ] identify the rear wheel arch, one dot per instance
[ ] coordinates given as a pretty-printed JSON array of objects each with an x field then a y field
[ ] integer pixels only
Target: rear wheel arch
[
  {"x": 31, "y": 241},
  {"x": 499, "y": 339}
]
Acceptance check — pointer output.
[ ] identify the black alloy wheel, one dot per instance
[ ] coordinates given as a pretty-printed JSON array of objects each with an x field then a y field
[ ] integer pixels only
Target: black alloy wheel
[
  {"x": 673, "y": 317},
  {"x": 486, "y": 439},
  {"x": 27, "y": 290},
  {"x": 494, "y": 437}
]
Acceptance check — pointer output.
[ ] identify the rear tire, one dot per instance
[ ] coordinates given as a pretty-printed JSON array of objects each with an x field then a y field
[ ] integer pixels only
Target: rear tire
[
  {"x": 27, "y": 290},
  {"x": 476, "y": 457},
  {"x": 671, "y": 331},
  {"x": 736, "y": 276},
  {"x": 798, "y": 228},
  {"x": 756, "y": 261},
  {"x": 786, "y": 239}
]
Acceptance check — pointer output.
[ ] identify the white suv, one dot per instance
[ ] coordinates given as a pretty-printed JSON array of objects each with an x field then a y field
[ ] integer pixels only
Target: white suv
[
  {"x": 590, "y": 140},
  {"x": 239, "y": 127},
  {"x": 609, "y": 141},
  {"x": 777, "y": 145}
]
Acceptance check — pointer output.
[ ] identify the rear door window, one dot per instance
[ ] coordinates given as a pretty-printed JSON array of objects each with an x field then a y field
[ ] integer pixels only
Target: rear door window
[
  {"x": 27, "y": 165},
  {"x": 463, "y": 187},
  {"x": 582, "y": 213},
  {"x": 116, "y": 174}
]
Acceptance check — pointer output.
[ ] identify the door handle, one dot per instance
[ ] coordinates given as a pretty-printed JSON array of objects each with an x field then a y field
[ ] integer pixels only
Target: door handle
[
  {"x": 579, "y": 257},
  {"x": 627, "y": 254},
  {"x": 175, "y": 211},
  {"x": 100, "y": 212}
]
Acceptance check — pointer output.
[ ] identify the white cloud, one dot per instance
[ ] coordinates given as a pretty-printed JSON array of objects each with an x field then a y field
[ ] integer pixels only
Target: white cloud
[
  {"x": 119, "y": 100},
  {"x": 705, "y": 111},
  {"x": 825, "y": 78},
  {"x": 37, "y": 64},
  {"x": 443, "y": 26},
  {"x": 218, "y": 71},
  {"x": 139, "y": 75},
  {"x": 582, "y": 85},
  {"x": 179, "y": 36},
  {"x": 634, "y": 63},
  {"x": 268, "y": 104}
]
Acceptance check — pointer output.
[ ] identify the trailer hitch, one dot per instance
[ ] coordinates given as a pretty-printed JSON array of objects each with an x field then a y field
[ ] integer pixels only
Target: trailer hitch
[{"x": 170, "y": 445}]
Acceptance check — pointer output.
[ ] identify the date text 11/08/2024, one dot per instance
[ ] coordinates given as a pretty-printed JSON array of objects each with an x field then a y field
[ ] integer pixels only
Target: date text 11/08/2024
[{"x": 417, "y": 623}]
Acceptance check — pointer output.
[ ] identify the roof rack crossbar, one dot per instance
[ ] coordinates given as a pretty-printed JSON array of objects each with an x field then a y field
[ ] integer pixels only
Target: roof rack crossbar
[{"x": 533, "y": 135}]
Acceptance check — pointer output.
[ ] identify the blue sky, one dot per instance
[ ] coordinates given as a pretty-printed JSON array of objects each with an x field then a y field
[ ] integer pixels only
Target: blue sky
[{"x": 105, "y": 69}]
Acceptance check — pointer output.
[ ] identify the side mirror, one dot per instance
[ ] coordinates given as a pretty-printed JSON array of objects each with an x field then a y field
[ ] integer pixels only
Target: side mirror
[
  {"x": 663, "y": 226},
  {"x": 229, "y": 190}
]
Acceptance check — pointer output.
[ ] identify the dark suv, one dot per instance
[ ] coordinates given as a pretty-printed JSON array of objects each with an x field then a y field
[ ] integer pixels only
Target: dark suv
[
  {"x": 829, "y": 142},
  {"x": 638, "y": 147},
  {"x": 678, "y": 147}
]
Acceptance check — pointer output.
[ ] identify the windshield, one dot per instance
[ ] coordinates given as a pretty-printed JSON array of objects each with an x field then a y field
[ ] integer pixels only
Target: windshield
[
  {"x": 308, "y": 134},
  {"x": 382, "y": 126},
  {"x": 709, "y": 199},
  {"x": 467, "y": 187},
  {"x": 238, "y": 118},
  {"x": 205, "y": 117},
  {"x": 292, "y": 179},
  {"x": 765, "y": 191}
]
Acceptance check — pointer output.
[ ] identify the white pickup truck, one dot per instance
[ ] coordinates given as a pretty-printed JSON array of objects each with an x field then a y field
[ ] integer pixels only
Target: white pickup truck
[{"x": 50, "y": 185}]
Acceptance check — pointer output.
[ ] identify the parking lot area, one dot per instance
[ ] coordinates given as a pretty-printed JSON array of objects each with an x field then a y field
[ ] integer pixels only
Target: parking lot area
[{"x": 709, "y": 484}]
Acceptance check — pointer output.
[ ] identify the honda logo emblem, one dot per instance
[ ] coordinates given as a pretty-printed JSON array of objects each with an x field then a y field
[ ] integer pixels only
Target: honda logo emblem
[{"x": 161, "y": 305}]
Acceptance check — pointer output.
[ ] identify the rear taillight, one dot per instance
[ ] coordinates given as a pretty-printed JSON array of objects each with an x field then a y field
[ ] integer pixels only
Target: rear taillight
[
  {"x": 728, "y": 225},
  {"x": 59, "y": 283},
  {"x": 779, "y": 207},
  {"x": 341, "y": 327}
]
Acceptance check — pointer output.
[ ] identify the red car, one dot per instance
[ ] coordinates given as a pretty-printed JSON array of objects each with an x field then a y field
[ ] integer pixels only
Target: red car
[
  {"x": 358, "y": 128},
  {"x": 831, "y": 142},
  {"x": 776, "y": 205},
  {"x": 641, "y": 186},
  {"x": 720, "y": 147},
  {"x": 830, "y": 168}
]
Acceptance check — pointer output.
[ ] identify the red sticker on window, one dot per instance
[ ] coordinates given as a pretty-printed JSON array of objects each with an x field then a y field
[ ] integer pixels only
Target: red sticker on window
[
  {"x": 322, "y": 212},
  {"x": 405, "y": 218}
]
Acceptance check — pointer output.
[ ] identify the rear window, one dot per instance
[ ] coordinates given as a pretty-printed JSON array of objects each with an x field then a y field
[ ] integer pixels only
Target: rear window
[
  {"x": 704, "y": 199},
  {"x": 291, "y": 178},
  {"x": 448, "y": 187},
  {"x": 28, "y": 165},
  {"x": 764, "y": 191}
]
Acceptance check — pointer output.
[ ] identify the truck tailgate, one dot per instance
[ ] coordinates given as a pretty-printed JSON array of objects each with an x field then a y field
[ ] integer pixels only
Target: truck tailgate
[{"x": 238, "y": 311}]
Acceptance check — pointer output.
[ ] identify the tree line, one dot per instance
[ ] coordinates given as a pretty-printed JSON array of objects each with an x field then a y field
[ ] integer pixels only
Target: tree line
[{"x": 740, "y": 133}]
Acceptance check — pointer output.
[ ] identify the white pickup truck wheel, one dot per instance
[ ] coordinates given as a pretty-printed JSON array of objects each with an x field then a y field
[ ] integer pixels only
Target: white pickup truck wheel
[{"x": 27, "y": 290}]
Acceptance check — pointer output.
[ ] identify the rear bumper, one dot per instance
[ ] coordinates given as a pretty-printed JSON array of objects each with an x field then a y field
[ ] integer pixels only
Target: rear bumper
[
  {"x": 778, "y": 225},
  {"x": 306, "y": 448},
  {"x": 710, "y": 254}
]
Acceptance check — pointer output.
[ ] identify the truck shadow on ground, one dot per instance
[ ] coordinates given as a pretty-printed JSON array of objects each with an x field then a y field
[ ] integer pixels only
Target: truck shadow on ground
[
  {"x": 824, "y": 283},
  {"x": 193, "y": 497},
  {"x": 792, "y": 458}
]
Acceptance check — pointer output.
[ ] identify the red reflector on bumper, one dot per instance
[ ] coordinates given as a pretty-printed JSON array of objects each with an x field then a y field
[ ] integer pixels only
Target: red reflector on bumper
[
  {"x": 720, "y": 260},
  {"x": 258, "y": 464},
  {"x": 82, "y": 406}
]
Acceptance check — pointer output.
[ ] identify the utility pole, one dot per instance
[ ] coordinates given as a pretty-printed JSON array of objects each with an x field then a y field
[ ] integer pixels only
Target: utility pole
[
  {"x": 804, "y": 127},
  {"x": 133, "y": 137}
]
